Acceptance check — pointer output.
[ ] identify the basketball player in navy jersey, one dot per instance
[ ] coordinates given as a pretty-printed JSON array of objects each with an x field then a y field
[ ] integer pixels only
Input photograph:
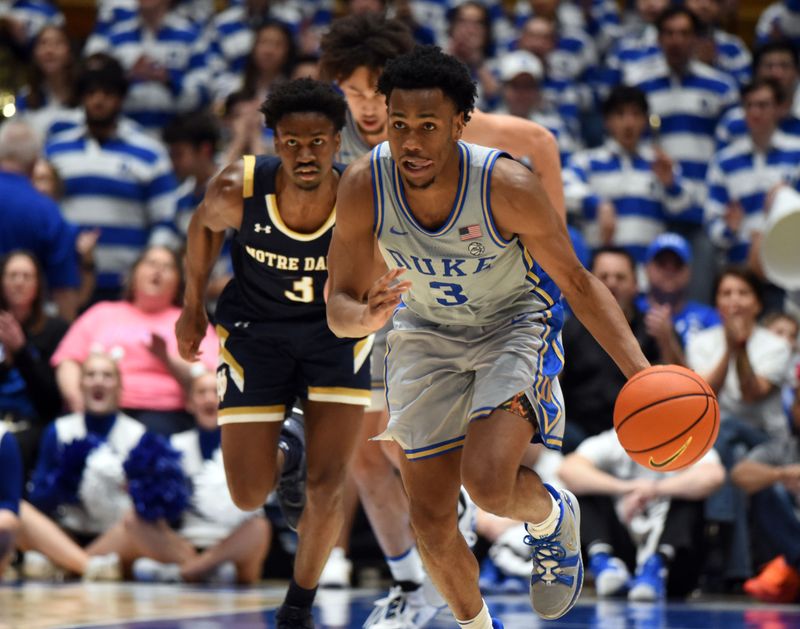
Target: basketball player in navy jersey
[
  {"x": 474, "y": 353},
  {"x": 275, "y": 344}
]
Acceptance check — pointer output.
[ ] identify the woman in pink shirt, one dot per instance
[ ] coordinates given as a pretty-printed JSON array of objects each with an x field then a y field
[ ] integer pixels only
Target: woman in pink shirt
[{"x": 139, "y": 333}]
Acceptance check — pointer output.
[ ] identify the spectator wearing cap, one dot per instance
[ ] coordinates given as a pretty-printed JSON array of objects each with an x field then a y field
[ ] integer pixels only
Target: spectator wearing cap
[
  {"x": 741, "y": 175},
  {"x": 165, "y": 59},
  {"x": 622, "y": 193},
  {"x": 668, "y": 312},
  {"x": 116, "y": 178},
  {"x": 592, "y": 383},
  {"x": 32, "y": 221},
  {"x": 521, "y": 74}
]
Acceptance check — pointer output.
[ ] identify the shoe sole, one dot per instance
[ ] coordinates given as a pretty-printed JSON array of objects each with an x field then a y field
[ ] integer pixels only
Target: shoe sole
[{"x": 576, "y": 511}]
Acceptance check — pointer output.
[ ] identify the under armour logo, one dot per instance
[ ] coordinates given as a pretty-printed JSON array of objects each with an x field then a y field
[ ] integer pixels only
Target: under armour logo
[{"x": 267, "y": 229}]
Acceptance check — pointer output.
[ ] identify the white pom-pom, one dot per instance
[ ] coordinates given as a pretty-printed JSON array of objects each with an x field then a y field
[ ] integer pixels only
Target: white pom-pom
[
  {"x": 103, "y": 491},
  {"x": 212, "y": 499}
]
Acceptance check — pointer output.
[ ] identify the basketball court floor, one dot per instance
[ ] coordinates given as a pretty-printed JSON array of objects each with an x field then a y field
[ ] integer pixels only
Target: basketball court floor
[{"x": 128, "y": 606}]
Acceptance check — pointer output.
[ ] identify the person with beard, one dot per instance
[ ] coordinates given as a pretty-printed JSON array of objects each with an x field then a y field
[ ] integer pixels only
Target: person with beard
[
  {"x": 116, "y": 178},
  {"x": 668, "y": 313},
  {"x": 275, "y": 344}
]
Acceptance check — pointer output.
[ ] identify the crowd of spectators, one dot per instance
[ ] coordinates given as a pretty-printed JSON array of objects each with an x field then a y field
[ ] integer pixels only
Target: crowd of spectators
[{"x": 673, "y": 133}]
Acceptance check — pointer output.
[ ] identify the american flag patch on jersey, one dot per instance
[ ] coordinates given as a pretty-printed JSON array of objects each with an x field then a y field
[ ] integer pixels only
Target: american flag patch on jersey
[{"x": 469, "y": 232}]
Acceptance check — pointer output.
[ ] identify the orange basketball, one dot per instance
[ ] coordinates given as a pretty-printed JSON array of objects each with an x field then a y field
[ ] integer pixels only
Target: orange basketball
[{"x": 666, "y": 417}]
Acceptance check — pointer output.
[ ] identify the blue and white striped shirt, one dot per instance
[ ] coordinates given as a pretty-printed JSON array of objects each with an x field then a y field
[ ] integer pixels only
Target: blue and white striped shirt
[
  {"x": 609, "y": 173},
  {"x": 780, "y": 20},
  {"x": 124, "y": 186},
  {"x": 690, "y": 107},
  {"x": 742, "y": 173},
  {"x": 733, "y": 127},
  {"x": 179, "y": 47},
  {"x": 34, "y": 15}
]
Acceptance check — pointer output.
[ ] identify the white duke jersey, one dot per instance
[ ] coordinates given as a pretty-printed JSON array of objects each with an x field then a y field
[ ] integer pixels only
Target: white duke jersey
[
  {"x": 353, "y": 145},
  {"x": 464, "y": 272}
]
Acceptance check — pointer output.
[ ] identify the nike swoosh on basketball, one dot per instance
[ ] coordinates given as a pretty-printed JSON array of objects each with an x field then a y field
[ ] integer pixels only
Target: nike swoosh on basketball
[
  {"x": 397, "y": 232},
  {"x": 671, "y": 458}
]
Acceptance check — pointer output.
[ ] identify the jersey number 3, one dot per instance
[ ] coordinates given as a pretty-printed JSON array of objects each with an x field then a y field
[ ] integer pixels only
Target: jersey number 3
[
  {"x": 302, "y": 290},
  {"x": 453, "y": 293}
]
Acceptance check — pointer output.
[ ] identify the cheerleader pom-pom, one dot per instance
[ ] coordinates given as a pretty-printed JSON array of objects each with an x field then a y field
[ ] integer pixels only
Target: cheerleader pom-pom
[
  {"x": 102, "y": 490},
  {"x": 156, "y": 482}
]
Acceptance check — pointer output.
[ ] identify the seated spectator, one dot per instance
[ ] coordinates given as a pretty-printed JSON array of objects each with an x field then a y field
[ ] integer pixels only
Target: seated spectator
[
  {"x": 49, "y": 102},
  {"x": 116, "y": 179},
  {"x": 521, "y": 74},
  {"x": 592, "y": 383},
  {"x": 668, "y": 311},
  {"x": 215, "y": 541},
  {"x": 717, "y": 47},
  {"x": 29, "y": 396},
  {"x": 10, "y": 494},
  {"x": 243, "y": 130},
  {"x": 57, "y": 487},
  {"x": 165, "y": 60},
  {"x": 140, "y": 332},
  {"x": 470, "y": 41},
  {"x": 623, "y": 192},
  {"x": 770, "y": 475},
  {"x": 33, "y": 222},
  {"x": 745, "y": 365},
  {"x": 632, "y": 516}
]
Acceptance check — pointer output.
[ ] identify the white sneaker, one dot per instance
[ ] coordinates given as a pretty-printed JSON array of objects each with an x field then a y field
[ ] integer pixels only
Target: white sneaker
[
  {"x": 467, "y": 513},
  {"x": 103, "y": 568},
  {"x": 337, "y": 570},
  {"x": 37, "y": 567},
  {"x": 401, "y": 610},
  {"x": 148, "y": 570}
]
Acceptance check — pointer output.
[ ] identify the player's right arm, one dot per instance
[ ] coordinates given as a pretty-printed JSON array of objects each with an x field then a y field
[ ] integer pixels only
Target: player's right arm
[
  {"x": 220, "y": 209},
  {"x": 357, "y": 305}
]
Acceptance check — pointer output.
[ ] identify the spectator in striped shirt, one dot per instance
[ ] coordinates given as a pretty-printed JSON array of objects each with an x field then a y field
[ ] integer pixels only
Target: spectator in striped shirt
[
  {"x": 688, "y": 97},
  {"x": 165, "y": 60},
  {"x": 741, "y": 175},
  {"x": 776, "y": 60},
  {"x": 116, "y": 178},
  {"x": 780, "y": 20},
  {"x": 623, "y": 191},
  {"x": 23, "y": 20}
]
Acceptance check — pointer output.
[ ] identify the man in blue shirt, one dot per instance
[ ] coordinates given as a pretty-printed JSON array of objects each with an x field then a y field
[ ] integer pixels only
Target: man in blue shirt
[
  {"x": 669, "y": 315},
  {"x": 32, "y": 221}
]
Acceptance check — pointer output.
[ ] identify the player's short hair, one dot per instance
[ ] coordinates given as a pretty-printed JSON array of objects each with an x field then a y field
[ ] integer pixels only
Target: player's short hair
[
  {"x": 615, "y": 251},
  {"x": 304, "y": 96},
  {"x": 623, "y": 95},
  {"x": 362, "y": 40},
  {"x": 197, "y": 128},
  {"x": 427, "y": 67}
]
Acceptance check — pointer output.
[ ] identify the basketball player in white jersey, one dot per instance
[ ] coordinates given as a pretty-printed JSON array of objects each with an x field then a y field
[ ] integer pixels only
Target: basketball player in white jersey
[
  {"x": 354, "y": 51},
  {"x": 474, "y": 352}
]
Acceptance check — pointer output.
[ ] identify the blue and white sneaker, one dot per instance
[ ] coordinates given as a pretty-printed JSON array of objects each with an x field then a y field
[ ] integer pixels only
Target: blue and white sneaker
[
  {"x": 650, "y": 582},
  {"x": 611, "y": 575},
  {"x": 557, "y": 574},
  {"x": 291, "y": 489}
]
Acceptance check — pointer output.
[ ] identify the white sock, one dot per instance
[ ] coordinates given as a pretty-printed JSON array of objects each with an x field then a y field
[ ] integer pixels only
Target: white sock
[
  {"x": 482, "y": 621},
  {"x": 407, "y": 567},
  {"x": 548, "y": 525}
]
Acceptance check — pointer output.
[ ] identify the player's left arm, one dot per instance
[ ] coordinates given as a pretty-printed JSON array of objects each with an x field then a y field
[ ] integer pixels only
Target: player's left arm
[
  {"x": 520, "y": 206},
  {"x": 523, "y": 139}
]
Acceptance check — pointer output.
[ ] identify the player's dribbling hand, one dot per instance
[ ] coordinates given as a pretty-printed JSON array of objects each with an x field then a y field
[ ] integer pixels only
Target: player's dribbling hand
[
  {"x": 384, "y": 296},
  {"x": 190, "y": 329}
]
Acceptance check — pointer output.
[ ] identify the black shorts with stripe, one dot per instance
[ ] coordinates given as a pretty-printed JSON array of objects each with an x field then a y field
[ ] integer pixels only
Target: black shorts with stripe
[{"x": 264, "y": 367}]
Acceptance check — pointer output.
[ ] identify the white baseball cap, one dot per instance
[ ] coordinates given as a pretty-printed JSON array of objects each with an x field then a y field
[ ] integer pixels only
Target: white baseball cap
[{"x": 520, "y": 62}]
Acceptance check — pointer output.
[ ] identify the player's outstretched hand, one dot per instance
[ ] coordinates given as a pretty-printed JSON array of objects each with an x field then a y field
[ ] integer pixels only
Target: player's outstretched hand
[
  {"x": 383, "y": 298},
  {"x": 190, "y": 329}
]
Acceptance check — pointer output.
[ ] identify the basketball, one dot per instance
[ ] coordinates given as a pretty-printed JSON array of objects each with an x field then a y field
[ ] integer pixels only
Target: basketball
[{"x": 666, "y": 417}]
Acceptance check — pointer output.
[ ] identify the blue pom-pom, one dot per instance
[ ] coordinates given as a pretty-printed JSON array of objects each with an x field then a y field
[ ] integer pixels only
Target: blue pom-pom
[
  {"x": 60, "y": 485},
  {"x": 156, "y": 482}
]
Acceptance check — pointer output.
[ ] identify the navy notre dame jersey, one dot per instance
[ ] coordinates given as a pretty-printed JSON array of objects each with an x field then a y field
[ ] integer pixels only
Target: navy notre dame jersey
[{"x": 278, "y": 274}]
